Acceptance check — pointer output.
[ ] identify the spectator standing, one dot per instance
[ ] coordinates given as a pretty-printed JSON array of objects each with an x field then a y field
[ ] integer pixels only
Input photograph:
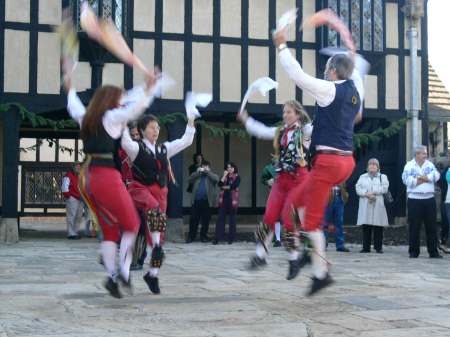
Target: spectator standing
[
  {"x": 419, "y": 176},
  {"x": 228, "y": 203},
  {"x": 74, "y": 206},
  {"x": 445, "y": 205},
  {"x": 334, "y": 214},
  {"x": 204, "y": 196},
  {"x": 372, "y": 215}
]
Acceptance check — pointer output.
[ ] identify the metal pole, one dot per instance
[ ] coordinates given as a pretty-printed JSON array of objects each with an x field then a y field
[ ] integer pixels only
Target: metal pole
[{"x": 414, "y": 101}]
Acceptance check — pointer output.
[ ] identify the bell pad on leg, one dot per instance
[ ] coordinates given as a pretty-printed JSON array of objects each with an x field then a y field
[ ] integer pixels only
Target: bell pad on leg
[
  {"x": 157, "y": 257},
  {"x": 261, "y": 234}
]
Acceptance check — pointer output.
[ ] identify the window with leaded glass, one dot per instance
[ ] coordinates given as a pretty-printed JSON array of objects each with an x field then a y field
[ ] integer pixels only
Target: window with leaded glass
[
  {"x": 107, "y": 9},
  {"x": 364, "y": 19}
]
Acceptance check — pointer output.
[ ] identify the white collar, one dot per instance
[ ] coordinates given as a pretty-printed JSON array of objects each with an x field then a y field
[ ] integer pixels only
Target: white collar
[{"x": 151, "y": 146}]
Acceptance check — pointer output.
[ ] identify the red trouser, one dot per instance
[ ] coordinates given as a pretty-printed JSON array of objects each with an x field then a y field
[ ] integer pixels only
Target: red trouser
[
  {"x": 327, "y": 171},
  {"x": 103, "y": 189},
  {"x": 277, "y": 208},
  {"x": 147, "y": 197}
]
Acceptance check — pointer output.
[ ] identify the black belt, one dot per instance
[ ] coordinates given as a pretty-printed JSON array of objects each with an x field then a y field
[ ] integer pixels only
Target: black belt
[{"x": 334, "y": 152}]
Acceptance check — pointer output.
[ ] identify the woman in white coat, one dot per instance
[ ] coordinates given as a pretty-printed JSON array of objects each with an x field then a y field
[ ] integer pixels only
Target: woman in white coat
[{"x": 372, "y": 215}]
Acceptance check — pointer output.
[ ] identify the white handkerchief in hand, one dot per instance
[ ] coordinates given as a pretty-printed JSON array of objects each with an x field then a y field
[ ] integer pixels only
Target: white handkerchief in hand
[
  {"x": 193, "y": 100},
  {"x": 263, "y": 85},
  {"x": 286, "y": 19},
  {"x": 163, "y": 82}
]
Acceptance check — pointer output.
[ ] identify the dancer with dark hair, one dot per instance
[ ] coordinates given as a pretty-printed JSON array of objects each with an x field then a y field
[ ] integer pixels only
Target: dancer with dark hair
[
  {"x": 151, "y": 174},
  {"x": 101, "y": 185}
]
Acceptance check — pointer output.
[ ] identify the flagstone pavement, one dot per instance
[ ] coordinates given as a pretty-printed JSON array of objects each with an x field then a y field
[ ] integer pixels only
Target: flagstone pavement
[{"x": 53, "y": 287}]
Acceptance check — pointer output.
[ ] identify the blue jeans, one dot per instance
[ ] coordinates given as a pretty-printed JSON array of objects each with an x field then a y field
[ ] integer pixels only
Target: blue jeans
[{"x": 334, "y": 214}]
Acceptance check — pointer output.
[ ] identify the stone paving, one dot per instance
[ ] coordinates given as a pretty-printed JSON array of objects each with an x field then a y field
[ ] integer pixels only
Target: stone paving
[{"x": 52, "y": 287}]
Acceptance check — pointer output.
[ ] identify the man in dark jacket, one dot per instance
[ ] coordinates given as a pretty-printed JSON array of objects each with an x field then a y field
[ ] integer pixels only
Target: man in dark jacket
[{"x": 204, "y": 196}]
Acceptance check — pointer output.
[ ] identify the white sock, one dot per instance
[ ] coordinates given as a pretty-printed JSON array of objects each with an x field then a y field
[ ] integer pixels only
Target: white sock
[
  {"x": 319, "y": 264},
  {"x": 156, "y": 237},
  {"x": 126, "y": 253},
  {"x": 278, "y": 231},
  {"x": 293, "y": 255},
  {"x": 260, "y": 251},
  {"x": 153, "y": 272},
  {"x": 301, "y": 214},
  {"x": 109, "y": 251}
]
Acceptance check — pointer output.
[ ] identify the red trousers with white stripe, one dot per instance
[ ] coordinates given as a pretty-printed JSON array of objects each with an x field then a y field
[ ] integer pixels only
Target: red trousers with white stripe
[
  {"x": 148, "y": 197},
  {"x": 327, "y": 171},
  {"x": 277, "y": 207}
]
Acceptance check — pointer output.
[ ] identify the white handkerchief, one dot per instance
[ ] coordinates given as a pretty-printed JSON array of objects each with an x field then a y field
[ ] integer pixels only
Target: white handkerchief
[
  {"x": 361, "y": 64},
  {"x": 263, "y": 85},
  {"x": 193, "y": 100},
  {"x": 286, "y": 19},
  {"x": 164, "y": 82}
]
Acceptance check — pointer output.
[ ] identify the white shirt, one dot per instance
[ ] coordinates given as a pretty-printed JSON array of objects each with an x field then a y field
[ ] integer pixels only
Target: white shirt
[
  {"x": 132, "y": 148},
  {"x": 114, "y": 121},
  {"x": 409, "y": 177},
  {"x": 65, "y": 184},
  {"x": 322, "y": 91},
  {"x": 262, "y": 131}
]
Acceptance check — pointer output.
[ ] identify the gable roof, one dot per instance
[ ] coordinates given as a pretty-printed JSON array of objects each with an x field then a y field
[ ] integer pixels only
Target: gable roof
[{"x": 438, "y": 98}]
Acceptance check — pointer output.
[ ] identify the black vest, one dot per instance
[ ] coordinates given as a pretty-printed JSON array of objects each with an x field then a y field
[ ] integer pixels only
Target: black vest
[
  {"x": 100, "y": 143},
  {"x": 291, "y": 155},
  {"x": 333, "y": 124},
  {"x": 149, "y": 168}
]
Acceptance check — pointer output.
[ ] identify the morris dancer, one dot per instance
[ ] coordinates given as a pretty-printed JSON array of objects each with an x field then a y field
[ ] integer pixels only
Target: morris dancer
[
  {"x": 151, "y": 174},
  {"x": 291, "y": 146},
  {"x": 100, "y": 183},
  {"x": 339, "y": 104}
]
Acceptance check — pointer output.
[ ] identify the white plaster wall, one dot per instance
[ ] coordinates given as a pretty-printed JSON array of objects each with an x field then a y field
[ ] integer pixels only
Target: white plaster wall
[
  {"x": 286, "y": 87},
  {"x": 230, "y": 19},
  {"x": 17, "y": 10},
  {"x": 144, "y": 15},
  {"x": 392, "y": 82},
  {"x": 173, "y": 16},
  {"x": 113, "y": 74},
  {"x": 230, "y": 73},
  {"x": 258, "y": 66},
  {"x": 202, "y": 17},
  {"x": 282, "y": 7},
  {"x": 29, "y": 155},
  {"x": 258, "y": 21},
  {"x": 50, "y": 12},
  {"x": 202, "y": 67},
  {"x": 16, "y": 61},
  {"x": 48, "y": 67},
  {"x": 309, "y": 66},
  {"x": 173, "y": 63},
  {"x": 309, "y": 8},
  {"x": 145, "y": 50},
  {"x": 82, "y": 76},
  {"x": 371, "y": 91},
  {"x": 392, "y": 25}
]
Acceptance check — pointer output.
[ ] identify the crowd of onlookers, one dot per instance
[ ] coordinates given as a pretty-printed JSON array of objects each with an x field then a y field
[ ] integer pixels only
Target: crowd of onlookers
[{"x": 209, "y": 190}]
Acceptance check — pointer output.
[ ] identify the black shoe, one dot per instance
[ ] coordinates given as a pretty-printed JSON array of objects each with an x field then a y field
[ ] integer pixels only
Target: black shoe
[
  {"x": 380, "y": 251},
  {"x": 230, "y": 242},
  {"x": 277, "y": 243},
  {"x": 74, "y": 237},
  {"x": 112, "y": 287},
  {"x": 152, "y": 283},
  {"x": 413, "y": 256},
  {"x": 126, "y": 284},
  {"x": 364, "y": 251},
  {"x": 319, "y": 284},
  {"x": 343, "y": 250},
  {"x": 204, "y": 240},
  {"x": 215, "y": 242},
  {"x": 136, "y": 266},
  {"x": 189, "y": 240},
  {"x": 256, "y": 263},
  {"x": 436, "y": 256},
  {"x": 296, "y": 265}
]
